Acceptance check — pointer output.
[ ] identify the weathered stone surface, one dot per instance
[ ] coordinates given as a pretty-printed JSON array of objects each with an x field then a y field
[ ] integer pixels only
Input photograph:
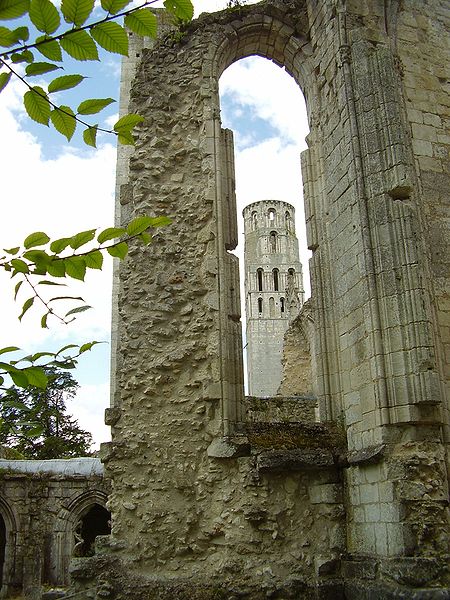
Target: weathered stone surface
[
  {"x": 376, "y": 186},
  {"x": 294, "y": 460}
]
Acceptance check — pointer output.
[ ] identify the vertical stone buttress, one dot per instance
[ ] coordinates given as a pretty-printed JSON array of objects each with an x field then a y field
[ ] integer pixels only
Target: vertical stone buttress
[{"x": 273, "y": 289}]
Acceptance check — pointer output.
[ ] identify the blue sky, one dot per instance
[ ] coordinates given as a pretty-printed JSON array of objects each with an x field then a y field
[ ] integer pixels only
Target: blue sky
[{"x": 69, "y": 187}]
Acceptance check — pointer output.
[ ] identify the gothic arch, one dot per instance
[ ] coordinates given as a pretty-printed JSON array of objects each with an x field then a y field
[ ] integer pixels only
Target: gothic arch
[
  {"x": 271, "y": 34},
  {"x": 8, "y": 550},
  {"x": 65, "y": 525}
]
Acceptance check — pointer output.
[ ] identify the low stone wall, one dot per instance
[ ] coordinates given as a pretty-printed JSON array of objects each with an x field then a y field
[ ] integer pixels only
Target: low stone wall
[
  {"x": 42, "y": 503},
  {"x": 281, "y": 409}
]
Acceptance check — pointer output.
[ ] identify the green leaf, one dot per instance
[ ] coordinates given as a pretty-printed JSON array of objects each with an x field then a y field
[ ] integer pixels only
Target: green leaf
[
  {"x": 4, "y": 80},
  {"x": 65, "y": 82},
  {"x": 39, "y": 258},
  {"x": 46, "y": 282},
  {"x": 10, "y": 37},
  {"x": 63, "y": 119},
  {"x": 26, "y": 306},
  {"x": 36, "y": 376},
  {"x": 90, "y": 136},
  {"x": 12, "y": 250},
  {"x": 23, "y": 33},
  {"x": 125, "y": 137},
  {"x": 88, "y": 346},
  {"x": 19, "y": 57},
  {"x": 75, "y": 267},
  {"x": 20, "y": 265},
  {"x": 77, "y": 11},
  {"x": 66, "y": 298},
  {"x": 127, "y": 122},
  {"x": 82, "y": 238},
  {"x": 50, "y": 49},
  {"x": 58, "y": 246},
  {"x": 56, "y": 268},
  {"x": 94, "y": 259},
  {"x": 119, "y": 250},
  {"x": 38, "y": 68},
  {"x": 67, "y": 347},
  {"x": 7, "y": 37},
  {"x": 44, "y": 15},
  {"x": 80, "y": 46},
  {"x": 139, "y": 225},
  {"x": 182, "y": 9},
  {"x": 19, "y": 377},
  {"x": 38, "y": 355},
  {"x": 143, "y": 22},
  {"x": 17, "y": 288},
  {"x": 12, "y": 9},
  {"x": 79, "y": 309},
  {"x": 9, "y": 349},
  {"x": 110, "y": 234},
  {"x": 37, "y": 105},
  {"x": 38, "y": 238},
  {"x": 93, "y": 105},
  {"x": 114, "y": 6},
  {"x": 44, "y": 321},
  {"x": 145, "y": 237},
  {"x": 112, "y": 37},
  {"x": 161, "y": 221}
]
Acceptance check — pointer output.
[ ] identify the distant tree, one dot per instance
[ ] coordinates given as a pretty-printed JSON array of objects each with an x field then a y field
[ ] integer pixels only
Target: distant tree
[{"x": 34, "y": 421}]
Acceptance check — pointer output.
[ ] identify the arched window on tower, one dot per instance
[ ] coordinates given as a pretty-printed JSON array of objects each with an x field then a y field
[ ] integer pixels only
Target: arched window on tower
[
  {"x": 273, "y": 242},
  {"x": 260, "y": 306},
  {"x": 271, "y": 214},
  {"x": 275, "y": 273},
  {"x": 259, "y": 276},
  {"x": 282, "y": 305},
  {"x": 254, "y": 220},
  {"x": 288, "y": 221},
  {"x": 271, "y": 308}
]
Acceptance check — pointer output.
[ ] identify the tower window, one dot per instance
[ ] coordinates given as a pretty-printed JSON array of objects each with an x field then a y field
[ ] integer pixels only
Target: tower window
[
  {"x": 259, "y": 275},
  {"x": 254, "y": 219},
  {"x": 275, "y": 279},
  {"x": 282, "y": 305},
  {"x": 273, "y": 241},
  {"x": 271, "y": 214},
  {"x": 271, "y": 308},
  {"x": 260, "y": 305},
  {"x": 288, "y": 220}
]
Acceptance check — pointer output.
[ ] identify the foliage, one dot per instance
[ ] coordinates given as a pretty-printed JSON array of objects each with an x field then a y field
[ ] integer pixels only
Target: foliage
[
  {"x": 34, "y": 421},
  {"x": 76, "y": 28},
  {"x": 55, "y": 31}
]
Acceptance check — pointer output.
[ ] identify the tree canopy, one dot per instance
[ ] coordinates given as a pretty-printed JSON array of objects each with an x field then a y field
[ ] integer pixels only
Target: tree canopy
[{"x": 34, "y": 422}]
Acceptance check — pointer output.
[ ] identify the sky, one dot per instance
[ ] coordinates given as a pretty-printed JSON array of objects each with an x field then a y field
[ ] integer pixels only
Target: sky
[{"x": 60, "y": 188}]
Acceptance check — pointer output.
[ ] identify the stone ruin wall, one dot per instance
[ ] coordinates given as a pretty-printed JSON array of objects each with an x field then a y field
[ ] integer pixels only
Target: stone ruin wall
[
  {"x": 41, "y": 503},
  {"x": 192, "y": 509},
  {"x": 297, "y": 379}
]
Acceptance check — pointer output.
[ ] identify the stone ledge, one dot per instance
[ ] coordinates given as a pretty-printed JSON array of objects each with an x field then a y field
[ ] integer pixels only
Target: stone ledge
[
  {"x": 369, "y": 455},
  {"x": 294, "y": 460},
  {"x": 229, "y": 447}
]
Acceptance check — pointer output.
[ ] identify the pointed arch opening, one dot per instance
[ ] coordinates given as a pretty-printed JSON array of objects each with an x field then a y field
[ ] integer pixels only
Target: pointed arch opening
[{"x": 254, "y": 92}]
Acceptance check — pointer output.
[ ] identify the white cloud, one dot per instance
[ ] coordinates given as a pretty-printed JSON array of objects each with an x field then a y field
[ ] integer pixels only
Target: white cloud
[
  {"x": 88, "y": 408},
  {"x": 259, "y": 85},
  {"x": 62, "y": 196}
]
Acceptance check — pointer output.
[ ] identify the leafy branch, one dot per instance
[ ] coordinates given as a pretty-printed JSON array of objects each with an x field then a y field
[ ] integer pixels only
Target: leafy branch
[
  {"x": 33, "y": 373},
  {"x": 41, "y": 257},
  {"x": 81, "y": 42}
]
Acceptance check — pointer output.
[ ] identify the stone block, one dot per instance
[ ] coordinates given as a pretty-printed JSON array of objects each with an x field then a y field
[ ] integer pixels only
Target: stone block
[{"x": 325, "y": 494}]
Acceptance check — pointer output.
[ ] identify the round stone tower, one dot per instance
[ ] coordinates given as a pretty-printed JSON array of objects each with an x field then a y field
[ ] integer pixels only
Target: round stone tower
[{"x": 273, "y": 289}]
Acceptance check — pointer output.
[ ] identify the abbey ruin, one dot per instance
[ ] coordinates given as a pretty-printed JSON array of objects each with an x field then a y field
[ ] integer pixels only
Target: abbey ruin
[{"x": 337, "y": 487}]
